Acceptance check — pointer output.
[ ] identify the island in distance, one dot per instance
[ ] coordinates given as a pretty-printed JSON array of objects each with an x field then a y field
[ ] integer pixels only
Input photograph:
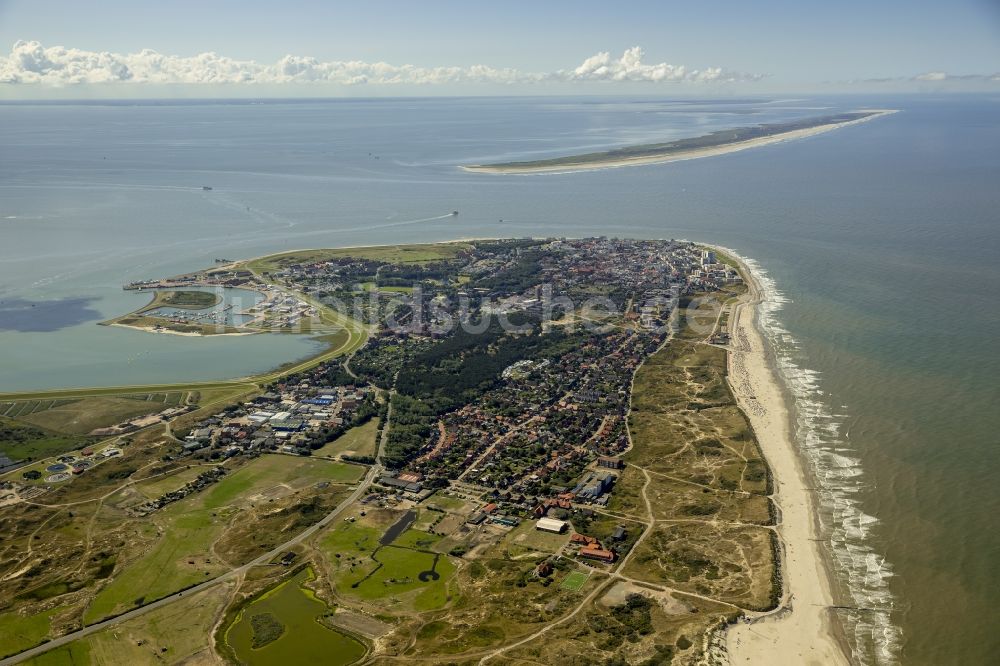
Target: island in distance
[{"x": 708, "y": 145}]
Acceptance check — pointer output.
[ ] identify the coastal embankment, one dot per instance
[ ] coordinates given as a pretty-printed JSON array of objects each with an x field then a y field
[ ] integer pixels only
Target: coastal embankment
[
  {"x": 802, "y": 630},
  {"x": 683, "y": 149}
]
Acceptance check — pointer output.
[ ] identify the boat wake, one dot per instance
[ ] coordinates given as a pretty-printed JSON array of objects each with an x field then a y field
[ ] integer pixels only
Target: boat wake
[{"x": 836, "y": 468}]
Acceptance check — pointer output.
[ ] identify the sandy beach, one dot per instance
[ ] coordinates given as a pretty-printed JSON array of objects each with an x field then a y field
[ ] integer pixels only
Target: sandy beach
[
  {"x": 801, "y": 629},
  {"x": 614, "y": 163},
  {"x": 189, "y": 334}
]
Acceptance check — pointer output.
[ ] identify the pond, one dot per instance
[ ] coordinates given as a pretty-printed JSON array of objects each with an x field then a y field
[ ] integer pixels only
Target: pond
[
  {"x": 284, "y": 624},
  {"x": 398, "y": 528}
]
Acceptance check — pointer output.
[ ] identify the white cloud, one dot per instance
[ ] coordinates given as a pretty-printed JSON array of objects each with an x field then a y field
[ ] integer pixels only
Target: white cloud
[
  {"x": 934, "y": 77},
  {"x": 602, "y": 67},
  {"x": 944, "y": 76},
  {"x": 32, "y": 63}
]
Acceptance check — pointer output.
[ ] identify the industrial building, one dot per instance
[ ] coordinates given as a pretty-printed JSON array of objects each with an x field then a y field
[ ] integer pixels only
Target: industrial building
[{"x": 551, "y": 525}]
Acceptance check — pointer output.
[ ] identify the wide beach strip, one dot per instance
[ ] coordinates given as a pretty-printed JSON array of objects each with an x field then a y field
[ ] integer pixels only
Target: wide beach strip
[
  {"x": 801, "y": 629},
  {"x": 708, "y": 145}
]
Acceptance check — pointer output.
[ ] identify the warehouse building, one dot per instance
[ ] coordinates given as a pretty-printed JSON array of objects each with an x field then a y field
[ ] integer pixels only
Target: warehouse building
[{"x": 551, "y": 525}]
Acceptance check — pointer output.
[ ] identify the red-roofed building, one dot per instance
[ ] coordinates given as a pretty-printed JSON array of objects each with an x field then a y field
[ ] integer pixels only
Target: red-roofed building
[
  {"x": 544, "y": 569},
  {"x": 597, "y": 553}
]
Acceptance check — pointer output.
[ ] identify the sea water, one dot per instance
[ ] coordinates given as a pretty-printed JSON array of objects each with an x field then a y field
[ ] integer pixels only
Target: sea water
[{"x": 879, "y": 244}]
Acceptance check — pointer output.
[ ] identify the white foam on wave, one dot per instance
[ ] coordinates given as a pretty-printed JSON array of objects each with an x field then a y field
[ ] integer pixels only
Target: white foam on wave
[{"x": 839, "y": 477}]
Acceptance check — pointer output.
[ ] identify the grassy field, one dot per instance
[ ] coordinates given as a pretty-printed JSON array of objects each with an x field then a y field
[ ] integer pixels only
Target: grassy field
[
  {"x": 196, "y": 300},
  {"x": 14, "y": 408},
  {"x": 399, "y": 254},
  {"x": 179, "y": 557},
  {"x": 291, "y": 472},
  {"x": 365, "y": 570},
  {"x": 500, "y": 600},
  {"x": 185, "y": 300},
  {"x": 370, "y": 286},
  {"x": 345, "y": 540},
  {"x": 147, "y": 321},
  {"x": 117, "y": 391},
  {"x": 78, "y": 417},
  {"x": 181, "y": 552},
  {"x": 174, "y": 634},
  {"x": 160, "y": 486},
  {"x": 526, "y": 538},
  {"x": 359, "y": 441},
  {"x": 19, "y": 632},
  {"x": 23, "y": 442},
  {"x": 450, "y": 503},
  {"x": 74, "y": 654},
  {"x": 394, "y": 571}
]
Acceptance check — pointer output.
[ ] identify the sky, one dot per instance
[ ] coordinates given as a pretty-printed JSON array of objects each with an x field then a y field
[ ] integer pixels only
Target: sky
[{"x": 138, "y": 48}]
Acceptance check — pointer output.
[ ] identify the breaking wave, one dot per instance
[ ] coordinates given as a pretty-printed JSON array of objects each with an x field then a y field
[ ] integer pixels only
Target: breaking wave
[{"x": 836, "y": 468}]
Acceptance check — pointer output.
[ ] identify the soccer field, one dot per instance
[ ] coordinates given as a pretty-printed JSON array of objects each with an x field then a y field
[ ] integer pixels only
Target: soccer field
[{"x": 575, "y": 581}]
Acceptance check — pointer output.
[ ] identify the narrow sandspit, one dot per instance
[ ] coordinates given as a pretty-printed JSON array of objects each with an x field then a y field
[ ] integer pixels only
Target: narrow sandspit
[
  {"x": 188, "y": 334},
  {"x": 613, "y": 160},
  {"x": 801, "y": 630}
]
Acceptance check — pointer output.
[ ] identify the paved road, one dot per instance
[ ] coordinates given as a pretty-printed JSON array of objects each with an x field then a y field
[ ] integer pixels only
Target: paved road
[{"x": 372, "y": 474}]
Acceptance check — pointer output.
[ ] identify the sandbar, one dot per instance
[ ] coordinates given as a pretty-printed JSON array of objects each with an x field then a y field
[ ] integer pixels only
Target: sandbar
[{"x": 682, "y": 149}]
